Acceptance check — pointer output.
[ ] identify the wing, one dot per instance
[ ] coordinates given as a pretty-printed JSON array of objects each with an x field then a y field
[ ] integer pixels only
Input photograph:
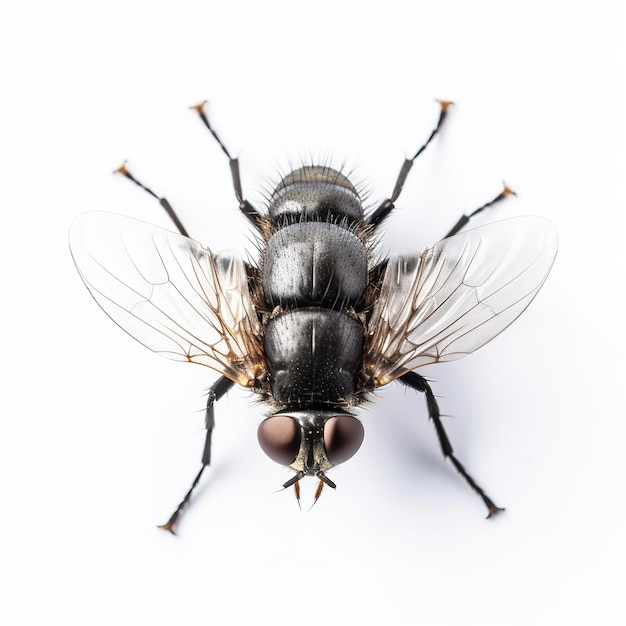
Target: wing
[
  {"x": 170, "y": 293},
  {"x": 452, "y": 299}
]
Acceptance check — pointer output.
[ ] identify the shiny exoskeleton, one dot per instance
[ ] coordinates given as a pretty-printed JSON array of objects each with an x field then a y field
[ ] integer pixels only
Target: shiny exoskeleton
[
  {"x": 314, "y": 276},
  {"x": 320, "y": 320}
]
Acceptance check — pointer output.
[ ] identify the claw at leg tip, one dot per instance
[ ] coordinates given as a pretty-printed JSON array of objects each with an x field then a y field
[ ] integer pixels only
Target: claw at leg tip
[
  {"x": 507, "y": 191},
  {"x": 445, "y": 104},
  {"x": 199, "y": 108},
  {"x": 494, "y": 510},
  {"x": 169, "y": 526},
  {"x": 121, "y": 169}
]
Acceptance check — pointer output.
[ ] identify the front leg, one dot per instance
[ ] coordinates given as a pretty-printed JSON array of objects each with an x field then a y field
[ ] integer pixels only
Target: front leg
[
  {"x": 419, "y": 383},
  {"x": 217, "y": 390}
]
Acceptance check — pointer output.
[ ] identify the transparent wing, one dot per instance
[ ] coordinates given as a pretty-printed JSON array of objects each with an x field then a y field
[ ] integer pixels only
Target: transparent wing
[
  {"x": 452, "y": 299},
  {"x": 170, "y": 293}
]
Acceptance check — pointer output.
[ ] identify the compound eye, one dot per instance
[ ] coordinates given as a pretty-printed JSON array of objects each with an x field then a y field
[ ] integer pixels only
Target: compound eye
[
  {"x": 279, "y": 437},
  {"x": 343, "y": 436}
]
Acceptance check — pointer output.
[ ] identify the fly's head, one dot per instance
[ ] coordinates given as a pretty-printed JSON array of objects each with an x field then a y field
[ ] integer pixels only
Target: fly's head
[{"x": 310, "y": 443}]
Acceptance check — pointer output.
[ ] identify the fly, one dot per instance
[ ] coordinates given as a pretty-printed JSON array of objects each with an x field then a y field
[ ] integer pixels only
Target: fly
[{"x": 320, "y": 320}]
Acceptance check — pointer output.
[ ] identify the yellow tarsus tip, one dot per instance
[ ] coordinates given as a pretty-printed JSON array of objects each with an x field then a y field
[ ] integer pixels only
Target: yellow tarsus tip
[
  {"x": 199, "y": 108},
  {"x": 507, "y": 191},
  {"x": 169, "y": 527},
  {"x": 121, "y": 169}
]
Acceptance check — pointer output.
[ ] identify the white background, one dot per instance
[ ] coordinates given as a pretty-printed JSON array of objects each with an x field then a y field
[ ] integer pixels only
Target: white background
[{"x": 100, "y": 438}]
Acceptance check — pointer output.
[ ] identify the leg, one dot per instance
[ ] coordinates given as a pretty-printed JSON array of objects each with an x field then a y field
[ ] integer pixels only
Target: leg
[
  {"x": 388, "y": 205},
  {"x": 244, "y": 206},
  {"x": 217, "y": 390},
  {"x": 164, "y": 203},
  {"x": 419, "y": 383},
  {"x": 464, "y": 219}
]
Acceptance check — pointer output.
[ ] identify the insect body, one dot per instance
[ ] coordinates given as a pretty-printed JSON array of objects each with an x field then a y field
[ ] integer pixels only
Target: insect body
[{"x": 320, "y": 321}]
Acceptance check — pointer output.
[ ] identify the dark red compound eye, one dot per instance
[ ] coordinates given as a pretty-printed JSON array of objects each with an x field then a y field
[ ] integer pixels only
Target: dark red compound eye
[
  {"x": 279, "y": 437},
  {"x": 343, "y": 436}
]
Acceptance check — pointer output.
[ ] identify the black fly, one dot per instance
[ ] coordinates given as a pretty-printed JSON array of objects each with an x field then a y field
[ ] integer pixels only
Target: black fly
[{"x": 320, "y": 321}]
